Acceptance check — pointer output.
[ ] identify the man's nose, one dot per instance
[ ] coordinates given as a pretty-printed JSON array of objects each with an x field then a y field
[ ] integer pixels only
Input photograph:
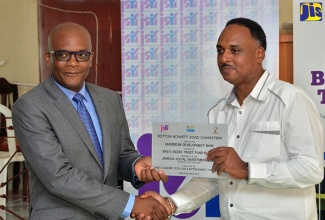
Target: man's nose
[
  {"x": 225, "y": 56},
  {"x": 73, "y": 60}
]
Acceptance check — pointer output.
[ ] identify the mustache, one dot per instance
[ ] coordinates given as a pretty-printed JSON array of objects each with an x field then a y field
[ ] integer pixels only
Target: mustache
[{"x": 226, "y": 65}]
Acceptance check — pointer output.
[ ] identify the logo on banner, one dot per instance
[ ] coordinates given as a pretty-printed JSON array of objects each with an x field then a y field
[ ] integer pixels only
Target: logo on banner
[
  {"x": 311, "y": 11},
  {"x": 164, "y": 128},
  {"x": 190, "y": 129}
]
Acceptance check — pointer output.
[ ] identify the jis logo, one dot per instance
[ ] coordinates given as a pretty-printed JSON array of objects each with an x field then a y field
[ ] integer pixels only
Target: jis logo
[
  {"x": 150, "y": 4},
  {"x": 311, "y": 11}
]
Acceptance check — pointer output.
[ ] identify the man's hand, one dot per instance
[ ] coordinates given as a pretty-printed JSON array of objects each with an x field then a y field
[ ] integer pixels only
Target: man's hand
[
  {"x": 227, "y": 160},
  {"x": 159, "y": 198},
  {"x": 147, "y": 173},
  {"x": 148, "y": 209}
]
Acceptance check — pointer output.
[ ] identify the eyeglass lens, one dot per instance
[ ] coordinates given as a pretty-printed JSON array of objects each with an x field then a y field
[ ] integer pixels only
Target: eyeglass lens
[{"x": 81, "y": 56}]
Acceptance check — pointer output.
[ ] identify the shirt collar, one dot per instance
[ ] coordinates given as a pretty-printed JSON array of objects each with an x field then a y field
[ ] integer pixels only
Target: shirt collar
[
  {"x": 70, "y": 93},
  {"x": 259, "y": 90},
  {"x": 261, "y": 87}
]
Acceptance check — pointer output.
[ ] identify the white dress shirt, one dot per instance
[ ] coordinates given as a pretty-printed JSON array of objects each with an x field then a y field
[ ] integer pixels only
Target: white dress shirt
[{"x": 278, "y": 131}]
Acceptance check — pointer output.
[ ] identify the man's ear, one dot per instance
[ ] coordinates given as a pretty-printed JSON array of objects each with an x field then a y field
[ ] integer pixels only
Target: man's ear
[
  {"x": 91, "y": 59},
  {"x": 47, "y": 57},
  {"x": 260, "y": 54}
]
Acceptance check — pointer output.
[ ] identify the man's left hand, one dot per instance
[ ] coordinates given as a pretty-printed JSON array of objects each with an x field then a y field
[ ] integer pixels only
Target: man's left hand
[
  {"x": 227, "y": 160},
  {"x": 147, "y": 173}
]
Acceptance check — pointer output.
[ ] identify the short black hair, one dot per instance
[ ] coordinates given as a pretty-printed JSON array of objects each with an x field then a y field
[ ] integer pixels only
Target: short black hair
[{"x": 256, "y": 30}]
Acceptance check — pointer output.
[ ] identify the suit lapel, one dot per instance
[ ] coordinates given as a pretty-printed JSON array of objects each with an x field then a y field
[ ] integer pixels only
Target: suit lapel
[{"x": 69, "y": 111}]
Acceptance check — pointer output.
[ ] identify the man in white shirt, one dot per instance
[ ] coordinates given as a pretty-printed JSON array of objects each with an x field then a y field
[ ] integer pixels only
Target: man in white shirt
[{"x": 275, "y": 153}]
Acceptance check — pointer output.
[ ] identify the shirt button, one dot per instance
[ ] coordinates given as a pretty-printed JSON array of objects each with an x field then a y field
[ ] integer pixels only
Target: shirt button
[
  {"x": 239, "y": 112},
  {"x": 231, "y": 205},
  {"x": 238, "y": 136},
  {"x": 231, "y": 183}
]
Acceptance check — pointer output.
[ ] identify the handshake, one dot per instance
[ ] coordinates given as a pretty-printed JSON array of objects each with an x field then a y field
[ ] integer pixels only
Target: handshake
[{"x": 152, "y": 206}]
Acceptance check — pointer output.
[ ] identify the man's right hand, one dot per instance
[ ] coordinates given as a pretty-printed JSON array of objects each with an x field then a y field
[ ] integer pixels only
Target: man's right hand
[
  {"x": 160, "y": 199},
  {"x": 150, "y": 208}
]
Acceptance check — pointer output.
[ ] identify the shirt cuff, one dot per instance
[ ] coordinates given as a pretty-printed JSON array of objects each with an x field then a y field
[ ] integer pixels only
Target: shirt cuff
[
  {"x": 128, "y": 208},
  {"x": 257, "y": 171}
]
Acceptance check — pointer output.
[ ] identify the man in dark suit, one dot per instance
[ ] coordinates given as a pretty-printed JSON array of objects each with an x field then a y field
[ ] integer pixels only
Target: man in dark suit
[{"x": 69, "y": 178}]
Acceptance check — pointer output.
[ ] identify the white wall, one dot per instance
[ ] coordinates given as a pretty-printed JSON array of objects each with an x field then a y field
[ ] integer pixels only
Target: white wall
[
  {"x": 19, "y": 42},
  {"x": 285, "y": 11}
]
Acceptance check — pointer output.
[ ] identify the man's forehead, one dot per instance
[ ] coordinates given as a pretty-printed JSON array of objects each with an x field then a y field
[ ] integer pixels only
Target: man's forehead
[
  {"x": 235, "y": 30},
  {"x": 235, "y": 36}
]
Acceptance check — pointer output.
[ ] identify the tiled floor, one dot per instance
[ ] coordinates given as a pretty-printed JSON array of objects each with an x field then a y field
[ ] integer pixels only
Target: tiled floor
[{"x": 18, "y": 206}]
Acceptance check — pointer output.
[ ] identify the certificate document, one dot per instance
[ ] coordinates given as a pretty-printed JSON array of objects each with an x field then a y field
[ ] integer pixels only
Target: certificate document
[{"x": 180, "y": 148}]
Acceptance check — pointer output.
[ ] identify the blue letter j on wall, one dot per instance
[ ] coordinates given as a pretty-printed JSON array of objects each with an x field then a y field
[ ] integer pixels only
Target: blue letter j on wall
[{"x": 311, "y": 11}]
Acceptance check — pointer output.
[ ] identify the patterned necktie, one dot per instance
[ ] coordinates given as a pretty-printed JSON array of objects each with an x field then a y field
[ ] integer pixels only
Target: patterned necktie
[{"x": 85, "y": 116}]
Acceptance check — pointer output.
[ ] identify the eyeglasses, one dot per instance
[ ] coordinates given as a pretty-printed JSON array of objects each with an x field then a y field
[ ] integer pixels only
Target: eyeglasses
[{"x": 62, "y": 55}]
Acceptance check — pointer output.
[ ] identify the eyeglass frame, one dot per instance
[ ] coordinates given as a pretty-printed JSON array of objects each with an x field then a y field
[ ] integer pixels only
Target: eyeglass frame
[{"x": 71, "y": 52}]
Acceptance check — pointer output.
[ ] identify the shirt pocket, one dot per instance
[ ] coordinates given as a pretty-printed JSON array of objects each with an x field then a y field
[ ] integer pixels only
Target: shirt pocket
[{"x": 264, "y": 140}]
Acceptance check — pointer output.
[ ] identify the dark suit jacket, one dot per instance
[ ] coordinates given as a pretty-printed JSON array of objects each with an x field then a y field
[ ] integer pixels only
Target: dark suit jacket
[{"x": 66, "y": 178}]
